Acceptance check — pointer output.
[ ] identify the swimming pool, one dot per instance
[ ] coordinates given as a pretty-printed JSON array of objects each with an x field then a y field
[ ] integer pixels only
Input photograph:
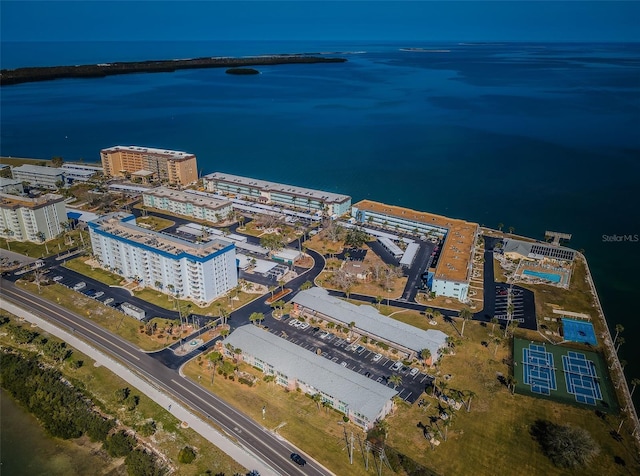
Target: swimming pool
[{"x": 554, "y": 278}]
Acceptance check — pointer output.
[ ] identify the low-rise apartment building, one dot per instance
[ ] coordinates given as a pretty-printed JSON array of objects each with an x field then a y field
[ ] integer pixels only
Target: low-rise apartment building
[
  {"x": 198, "y": 206},
  {"x": 280, "y": 194},
  {"x": 197, "y": 271},
  {"x": 32, "y": 219},
  {"x": 317, "y": 303},
  {"x": 452, "y": 274},
  {"x": 39, "y": 176},
  {"x": 358, "y": 397}
]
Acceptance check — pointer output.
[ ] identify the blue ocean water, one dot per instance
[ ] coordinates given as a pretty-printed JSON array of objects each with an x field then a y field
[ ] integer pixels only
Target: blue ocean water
[{"x": 535, "y": 136}]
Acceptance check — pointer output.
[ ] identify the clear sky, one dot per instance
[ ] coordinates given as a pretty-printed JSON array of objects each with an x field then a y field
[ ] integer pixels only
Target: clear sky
[{"x": 474, "y": 20}]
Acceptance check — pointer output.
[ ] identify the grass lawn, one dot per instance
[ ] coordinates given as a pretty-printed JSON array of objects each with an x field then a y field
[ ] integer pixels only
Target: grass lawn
[
  {"x": 318, "y": 432},
  {"x": 498, "y": 272},
  {"x": 169, "y": 438},
  {"x": 126, "y": 327},
  {"x": 79, "y": 265},
  {"x": 492, "y": 439},
  {"x": 229, "y": 303},
  {"x": 50, "y": 248}
]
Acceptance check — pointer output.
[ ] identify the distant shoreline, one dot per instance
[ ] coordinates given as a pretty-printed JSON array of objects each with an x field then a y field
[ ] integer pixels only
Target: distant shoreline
[{"x": 101, "y": 70}]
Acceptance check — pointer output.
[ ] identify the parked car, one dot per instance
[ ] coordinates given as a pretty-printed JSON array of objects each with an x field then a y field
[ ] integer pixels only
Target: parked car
[
  {"x": 99, "y": 294},
  {"x": 293, "y": 322},
  {"x": 304, "y": 325},
  {"x": 79, "y": 286},
  {"x": 108, "y": 301},
  {"x": 377, "y": 357},
  {"x": 298, "y": 459},
  {"x": 344, "y": 364},
  {"x": 414, "y": 372},
  {"x": 58, "y": 278},
  {"x": 90, "y": 292},
  {"x": 360, "y": 349},
  {"x": 397, "y": 365}
]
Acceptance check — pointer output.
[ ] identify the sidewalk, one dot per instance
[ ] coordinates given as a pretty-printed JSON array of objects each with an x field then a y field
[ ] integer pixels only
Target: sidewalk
[{"x": 241, "y": 455}]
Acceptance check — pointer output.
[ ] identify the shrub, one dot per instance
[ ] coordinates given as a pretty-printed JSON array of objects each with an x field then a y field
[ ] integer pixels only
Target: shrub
[
  {"x": 345, "y": 418},
  {"x": 119, "y": 444},
  {"x": 566, "y": 446},
  {"x": 186, "y": 455},
  {"x": 148, "y": 428},
  {"x": 246, "y": 381}
]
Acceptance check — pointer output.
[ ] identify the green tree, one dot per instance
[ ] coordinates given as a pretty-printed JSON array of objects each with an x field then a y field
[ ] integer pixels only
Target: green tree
[
  {"x": 317, "y": 398},
  {"x": 57, "y": 350},
  {"x": 465, "y": 315},
  {"x": 142, "y": 463},
  {"x": 215, "y": 358},
  {"x": 122, "y": 394},
  {"x": 119, "y": 444},
  {"x": 306, "y": 285},
  {"x": 383, "y": 427},
  {"x": 566, "y": 446},
  {"x": 425, "y": 354},
  {"x": 187, "y": 455},
  {"x": 396, "y": 380},
  {"x": 256, "y": 316}
]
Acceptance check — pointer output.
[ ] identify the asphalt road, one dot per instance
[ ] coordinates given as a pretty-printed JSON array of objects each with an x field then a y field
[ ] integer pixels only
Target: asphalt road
[{"x": 265, "y": 445}]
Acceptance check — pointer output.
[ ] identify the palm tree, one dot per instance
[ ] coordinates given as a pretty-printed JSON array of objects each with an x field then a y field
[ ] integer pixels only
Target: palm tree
[
  {"x": 634, "y": 384},
  {"x": 497, "y": 340},
  {"x": 494, "y": 321},
  {"x": 465, "y": 315},
  {"x": 316, "y": 397},
  {"x": 379, "y": 300},
  {"x": 500, "y": 226},
  {"x": 437, "y": 314},
  {"x": 425, "y": 354},
  {"x": 619, "y": 342},
  {"x": 470, "y": 394},
  {"x": 383, "y": 427},
  {"x": 396, "y": 380},
  {"x": 214, "y": 358},
  {"x": 326, "y": 404},
  {"x": 256, "y": 316},
  {"x": 446, "y": 424},
  {"x": 429, "y": 312},
  {"x": 619, "y": 329},
  {"x": 511, "y": 230},
  {"x": 281, "y": 283}
]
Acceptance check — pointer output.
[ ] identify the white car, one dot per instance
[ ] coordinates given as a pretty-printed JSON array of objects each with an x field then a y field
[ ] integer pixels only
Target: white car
[
  {"x": 414, "y": 372},
  {"x": 304, "y": 325},
  {"x": 58, "y": 278},
  {"x": 98, "y": 294},
  {"x": 108, "y": 301},
  {"x": 80, "y": 286},
  {"x": 344, "y": 364},
  {"x": 292, "y": 322},
  {"x": 397, "y": 365},
  {"x": 377, "y": 357}
]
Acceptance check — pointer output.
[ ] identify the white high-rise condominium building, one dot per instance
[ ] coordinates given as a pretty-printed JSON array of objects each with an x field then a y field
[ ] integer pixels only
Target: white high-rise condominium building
[
  {"x": 198, "y": 271},
  {"x": 32, "y": 219}
]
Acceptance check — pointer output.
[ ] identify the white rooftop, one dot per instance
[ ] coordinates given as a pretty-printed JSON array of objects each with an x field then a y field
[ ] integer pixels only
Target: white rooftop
[
  {"x": 278, "y": 187},
  {"x": 188, "y": 197},
  {"x": 38, "y": 169},
  {"x": 361, "y": 394},
  {"x": 148, "y": 150},
  {"x": 368, "y": 319}
]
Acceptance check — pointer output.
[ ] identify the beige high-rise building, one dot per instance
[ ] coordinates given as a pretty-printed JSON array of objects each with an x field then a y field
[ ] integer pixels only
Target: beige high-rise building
[{"x": 171, "y": 165}]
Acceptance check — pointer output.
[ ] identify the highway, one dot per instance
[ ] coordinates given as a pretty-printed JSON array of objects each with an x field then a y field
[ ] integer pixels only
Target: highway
[{"x": 274, "y": 451}]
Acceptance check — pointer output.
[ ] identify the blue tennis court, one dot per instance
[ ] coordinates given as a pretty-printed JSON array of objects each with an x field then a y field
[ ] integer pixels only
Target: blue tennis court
[
  {"x": 538, "y": 371},
  {"x": 581, "y": 378},
  {"x": 579, "y": 331}
]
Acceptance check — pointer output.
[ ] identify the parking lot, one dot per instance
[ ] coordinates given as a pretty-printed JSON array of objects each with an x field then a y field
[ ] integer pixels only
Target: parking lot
[
  {"x": 517, "y": 300},
  {"x": 80, "y": 286},
  {"x": 355, "y": 357}
]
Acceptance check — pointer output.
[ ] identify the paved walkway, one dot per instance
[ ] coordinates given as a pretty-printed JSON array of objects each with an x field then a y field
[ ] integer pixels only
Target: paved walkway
[{"x": 241, "y": 455}]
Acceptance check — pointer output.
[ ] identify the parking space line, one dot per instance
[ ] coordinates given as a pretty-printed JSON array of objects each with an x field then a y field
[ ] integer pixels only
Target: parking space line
[{"x": 408, "y": 396}]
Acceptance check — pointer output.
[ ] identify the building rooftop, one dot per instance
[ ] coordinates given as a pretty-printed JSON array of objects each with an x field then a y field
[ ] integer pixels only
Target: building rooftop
[
  {"x": 455, "y": 258},
  {"x": 122, "y": 226},
  {"x": 169, "y": 154},
  {"x": 537, "y": 250},
  {"x": 278, "y": 187},
  {"x": 39, "y": 169},
  {"x": 209, "y": 201},
  {"x": 16, "y": 201},
  {"x": 361, "y": 394},
  {"x": 368, "y": 319}
]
